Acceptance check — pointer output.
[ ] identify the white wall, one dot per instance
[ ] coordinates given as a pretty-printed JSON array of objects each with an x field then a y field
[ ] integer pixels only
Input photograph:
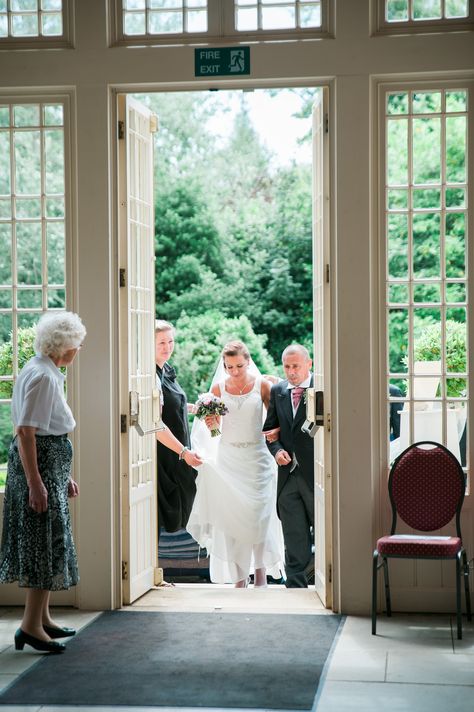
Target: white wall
[{"x": 351, "y": 60}]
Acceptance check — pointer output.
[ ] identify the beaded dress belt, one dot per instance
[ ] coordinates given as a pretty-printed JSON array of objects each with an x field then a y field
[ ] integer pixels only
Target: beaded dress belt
[{"x": 245, "y": 444}]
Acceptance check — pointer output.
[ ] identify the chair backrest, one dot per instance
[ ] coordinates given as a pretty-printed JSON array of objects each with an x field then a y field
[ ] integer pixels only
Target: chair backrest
[{"x": 426, "y": 487}]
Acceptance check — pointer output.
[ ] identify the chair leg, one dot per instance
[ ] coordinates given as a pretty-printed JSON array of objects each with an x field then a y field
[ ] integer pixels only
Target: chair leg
[
  {"x": 458, "y": 595},
  {"x": 387, "y": 587},
  {"x": 466, "y": 584},
  {"x": 374, "y": 591}
]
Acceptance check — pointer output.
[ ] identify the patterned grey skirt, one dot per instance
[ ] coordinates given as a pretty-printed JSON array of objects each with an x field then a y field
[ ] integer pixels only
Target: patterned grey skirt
[{"x": 37, "y": 548}]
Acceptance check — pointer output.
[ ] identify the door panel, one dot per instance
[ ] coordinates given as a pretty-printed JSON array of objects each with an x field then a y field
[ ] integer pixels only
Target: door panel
[
  {"x": 137, "y": 315},
  {"x": 321, "y": 350}
]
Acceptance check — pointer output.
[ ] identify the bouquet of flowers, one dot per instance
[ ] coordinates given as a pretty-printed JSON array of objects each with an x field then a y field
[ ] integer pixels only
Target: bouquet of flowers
[{"x": 209, "y": 404}]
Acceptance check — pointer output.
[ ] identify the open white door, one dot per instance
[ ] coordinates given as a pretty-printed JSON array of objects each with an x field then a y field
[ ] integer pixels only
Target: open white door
[
  {"x": 321, "y": 349},
  {"x": 139, "y": 401}
]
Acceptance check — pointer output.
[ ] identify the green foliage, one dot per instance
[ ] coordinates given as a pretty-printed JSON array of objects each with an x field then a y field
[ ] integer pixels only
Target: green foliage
[
  {"x": 25, "y": 352},
  {"x": 428, "y": 348},
  {"x": 26, "y": 337},
  {"x": 199, "y": 342}
]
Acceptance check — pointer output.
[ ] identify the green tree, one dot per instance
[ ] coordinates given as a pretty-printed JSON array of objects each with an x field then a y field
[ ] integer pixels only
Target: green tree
[{"x": 199, "y": 341}]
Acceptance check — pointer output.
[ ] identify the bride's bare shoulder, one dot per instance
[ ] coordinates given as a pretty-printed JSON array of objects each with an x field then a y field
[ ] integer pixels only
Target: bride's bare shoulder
[{"x": 216, "y": 390}]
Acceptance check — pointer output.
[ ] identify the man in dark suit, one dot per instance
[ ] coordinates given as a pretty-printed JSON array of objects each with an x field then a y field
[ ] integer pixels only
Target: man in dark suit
[
  {"x": 395, "y": 408},
  {"x": 293, "y": 451}
]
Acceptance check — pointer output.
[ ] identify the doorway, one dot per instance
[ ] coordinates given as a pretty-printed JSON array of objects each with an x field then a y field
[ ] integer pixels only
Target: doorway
[{"x": 264, "y": 246}]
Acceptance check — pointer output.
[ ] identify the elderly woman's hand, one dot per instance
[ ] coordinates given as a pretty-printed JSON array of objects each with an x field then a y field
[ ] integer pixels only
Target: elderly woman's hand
[
  {"x": 192, "y": 458},
  {"x": 38, "y": 496},
  {"x": 72, "y": 488}
]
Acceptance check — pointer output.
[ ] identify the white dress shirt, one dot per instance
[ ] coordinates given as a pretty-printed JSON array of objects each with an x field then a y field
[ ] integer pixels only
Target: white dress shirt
[
  {"x": 305, "y": 384},
  {"x": 38, "y": 398}
]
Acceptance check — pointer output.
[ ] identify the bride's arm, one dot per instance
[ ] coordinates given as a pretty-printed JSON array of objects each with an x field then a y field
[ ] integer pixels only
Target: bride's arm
[{"x": 265, "y": 388}]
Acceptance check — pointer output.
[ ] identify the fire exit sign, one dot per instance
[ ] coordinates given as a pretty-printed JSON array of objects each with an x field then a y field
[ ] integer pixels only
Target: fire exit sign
[{"x": 221, "y": 61}]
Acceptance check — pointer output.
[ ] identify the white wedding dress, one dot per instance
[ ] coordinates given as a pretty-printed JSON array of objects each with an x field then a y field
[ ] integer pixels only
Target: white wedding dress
[{"x": 234, "y": 512}]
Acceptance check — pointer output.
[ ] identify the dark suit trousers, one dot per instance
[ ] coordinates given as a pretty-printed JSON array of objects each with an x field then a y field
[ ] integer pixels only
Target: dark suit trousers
[{"x": 296, "y": 511}]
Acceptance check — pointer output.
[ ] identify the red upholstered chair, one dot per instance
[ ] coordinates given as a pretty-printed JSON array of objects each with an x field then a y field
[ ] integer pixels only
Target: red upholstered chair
[{"x": 426, "y": 487}]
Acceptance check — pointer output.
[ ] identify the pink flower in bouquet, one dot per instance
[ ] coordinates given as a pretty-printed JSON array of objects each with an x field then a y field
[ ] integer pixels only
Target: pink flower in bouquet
[{"x": 209, "y": 404}]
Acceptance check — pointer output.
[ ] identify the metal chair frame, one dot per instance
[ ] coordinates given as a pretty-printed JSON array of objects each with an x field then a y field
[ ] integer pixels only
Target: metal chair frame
[{"x": 462, "y": 566}]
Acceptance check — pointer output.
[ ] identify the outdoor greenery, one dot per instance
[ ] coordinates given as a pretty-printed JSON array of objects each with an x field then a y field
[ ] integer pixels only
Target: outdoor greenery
[{"x": 233, "y": 234}]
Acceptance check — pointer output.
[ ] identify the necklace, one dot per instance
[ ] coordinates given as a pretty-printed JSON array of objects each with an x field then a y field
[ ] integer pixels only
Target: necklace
[{"x": 241, "y": 390}]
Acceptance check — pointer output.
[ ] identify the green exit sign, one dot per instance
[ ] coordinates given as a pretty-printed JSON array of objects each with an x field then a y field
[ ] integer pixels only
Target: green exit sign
[{"x": 221, "y": 61}]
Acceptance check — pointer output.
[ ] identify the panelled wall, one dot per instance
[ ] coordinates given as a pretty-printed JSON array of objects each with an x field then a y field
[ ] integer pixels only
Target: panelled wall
[{"x": 356, "y": 64}]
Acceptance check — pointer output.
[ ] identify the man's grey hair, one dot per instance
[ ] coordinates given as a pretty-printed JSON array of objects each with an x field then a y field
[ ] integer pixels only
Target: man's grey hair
[
  {"x": 162, "y": 325},
  {"x": 296, "y": 349},
  {"x": 57, "y": 332}
]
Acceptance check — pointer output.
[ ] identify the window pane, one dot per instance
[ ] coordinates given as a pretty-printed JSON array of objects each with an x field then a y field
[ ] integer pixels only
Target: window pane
[
  {"x": 310, "y": 16},
  {"x": 426, "y": 9},
  {"x": 5, "y": 182},
  {"x": 455, "y": 197},
  {"x": 398, "y": 294},
  {"x": 24, "y": 25},
  {"x": 396, "y": 10},
  {"x": 134, "y": 23},
  {"x": 55, "y": 252},
  {"x": 6, "y": 298},
  {"x": 398, "y": 246},
  {"x": 423, "y": 199},
  {"x": 24, "y": 5},
  {"x": 6, "y": 253},
  {"x": 426, "y": 102},
  {"x": 52, "y": 24},
  {"x": 456, "y": 149},
  {"x": 455, "y": 245},
  {"x": 197, "y": 21},
  {"x": 29, "y": 298},
  {"x": 456, "y": 340},
  {"x": 162, "y": 22},
  {"x": 27, "y": 208},
  {"x": 457, "y": 8},
  {"x": 397, "y": 199},
  {"x": 397, "y": 104},
  {"x": 397, "y": 158},
  {"x": 278, "y": 18},
  {"x": 456, "y": 101},
  {"x": 455, "y": 292},
  {"x": 398, "y": 340},
  {"x": 426, "y": 293},
  {"x": 27, "y": 158},
  {"x": 426, "y": 245},
  {"x": 247, "y": 19},
  {"x": 28, "y": 240},
  {"x": 53, "y": 115},
  {"x": 4, "y": 116},
  {"x": 27, "y": 115},
  {"x": 51, "y": 4},
  {"x": 54, "y": 207},
  {"x": 54, "y": 161},
  {"x": 56, "y": 298},
  {"x": 426, "y": 150}
]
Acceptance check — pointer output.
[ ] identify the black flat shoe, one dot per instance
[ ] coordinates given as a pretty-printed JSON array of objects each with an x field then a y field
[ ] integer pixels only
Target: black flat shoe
[
  {"x": 59, "y": 632},
  {"x": 47, "y": 646}
]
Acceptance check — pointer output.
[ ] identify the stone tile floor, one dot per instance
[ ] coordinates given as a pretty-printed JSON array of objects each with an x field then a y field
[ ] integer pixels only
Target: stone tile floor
[{"x": 415, "y": 663}]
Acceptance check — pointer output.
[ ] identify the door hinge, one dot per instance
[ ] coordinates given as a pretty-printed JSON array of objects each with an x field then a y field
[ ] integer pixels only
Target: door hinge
[
  {"x": 123, "y": 423},
  {"x": 327, "y": 273},
  {"x": 328, "y": 422},
  {"x": 122, "y": 277},
  {"x": 326, "y": 123},
  {"x": 329, "y": 573},
  {"x": 121, "y": 130},
  {"x": 124, "y": 570},
  {"x": 154, "y": 126}
]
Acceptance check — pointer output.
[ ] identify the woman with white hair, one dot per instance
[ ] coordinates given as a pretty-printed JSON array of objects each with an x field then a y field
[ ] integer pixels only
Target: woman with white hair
[{"x": 37, "y": 546}]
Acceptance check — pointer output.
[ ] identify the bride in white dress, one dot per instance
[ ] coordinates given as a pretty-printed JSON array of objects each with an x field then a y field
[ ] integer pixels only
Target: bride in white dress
[{"x": 234, "y": 512}]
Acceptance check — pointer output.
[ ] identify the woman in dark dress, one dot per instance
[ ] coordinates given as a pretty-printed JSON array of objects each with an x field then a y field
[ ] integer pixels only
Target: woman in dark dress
[{"x": 176, "y": 477}]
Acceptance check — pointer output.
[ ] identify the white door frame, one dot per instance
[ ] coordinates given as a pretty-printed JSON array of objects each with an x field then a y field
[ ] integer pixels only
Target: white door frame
[{"x": 332, "y": 386}]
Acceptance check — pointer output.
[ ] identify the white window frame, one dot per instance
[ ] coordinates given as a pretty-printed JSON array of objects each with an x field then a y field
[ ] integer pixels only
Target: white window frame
[
  {"x": 220, "y": 28},
  {"x": 383, "y": 90},
  {"x": 67, "y": 101},
  {"x": 64, "y": 41},
  {"x": 412, "y": 27}
]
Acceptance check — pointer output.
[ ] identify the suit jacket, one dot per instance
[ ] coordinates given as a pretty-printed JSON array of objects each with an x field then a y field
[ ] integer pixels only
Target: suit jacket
[{"x": 290, "y": 438}]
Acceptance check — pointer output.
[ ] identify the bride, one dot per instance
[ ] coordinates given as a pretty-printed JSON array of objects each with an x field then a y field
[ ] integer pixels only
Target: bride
[{"x": 234, "y": 512}]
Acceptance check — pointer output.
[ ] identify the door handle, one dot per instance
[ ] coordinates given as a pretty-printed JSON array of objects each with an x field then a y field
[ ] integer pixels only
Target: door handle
[
  {"x": 314, "y": 412},
  {"x": 134, "y": 402}
]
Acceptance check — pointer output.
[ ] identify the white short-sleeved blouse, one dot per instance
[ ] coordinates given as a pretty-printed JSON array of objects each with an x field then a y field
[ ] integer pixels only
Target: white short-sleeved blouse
[{"x": 38, "y": 398}]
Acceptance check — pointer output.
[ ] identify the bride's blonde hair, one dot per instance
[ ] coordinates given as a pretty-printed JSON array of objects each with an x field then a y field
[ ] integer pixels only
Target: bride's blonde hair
[{"x": 235, "y": 348}]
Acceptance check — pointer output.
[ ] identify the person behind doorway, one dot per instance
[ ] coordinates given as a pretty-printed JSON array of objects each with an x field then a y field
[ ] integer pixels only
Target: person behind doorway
[
  {"x": 293, "y": 451},
  {"x": 176, "y": 474},
  {"x": 395, "y": 408},
  {"x": 37, "y": 545},
  {"x": 234, "y": 513}
]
